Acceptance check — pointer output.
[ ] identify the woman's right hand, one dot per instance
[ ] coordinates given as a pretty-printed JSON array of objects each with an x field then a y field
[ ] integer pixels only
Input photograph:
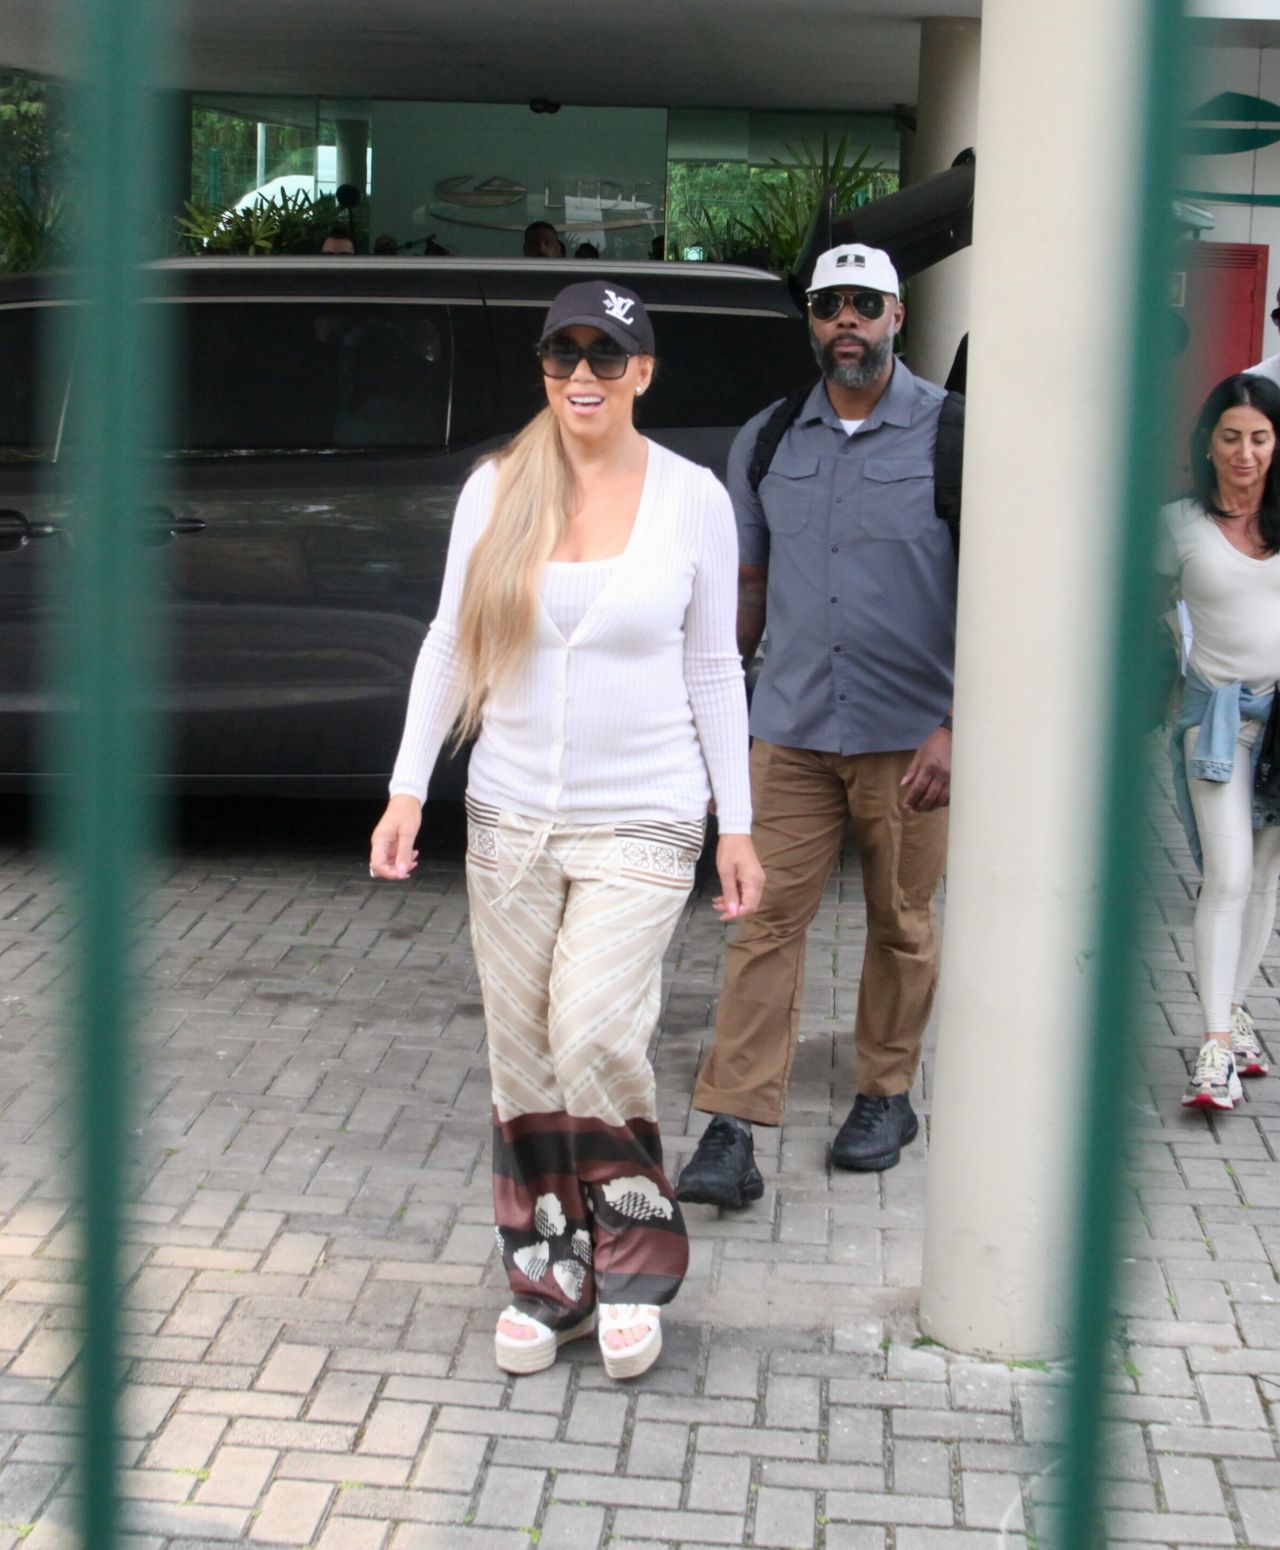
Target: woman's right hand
[
  {"x": 741, "y": 877},
  {"x": 391, "y": 852}
]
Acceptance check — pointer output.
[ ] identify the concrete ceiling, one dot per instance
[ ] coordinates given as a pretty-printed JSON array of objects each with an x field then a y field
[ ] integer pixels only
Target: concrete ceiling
[
  {"x": 841, "y": 54},
  {"x": 1233, "y": 32}
]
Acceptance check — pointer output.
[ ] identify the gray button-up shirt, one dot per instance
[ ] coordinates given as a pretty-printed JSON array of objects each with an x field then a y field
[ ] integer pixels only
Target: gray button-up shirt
[{"x": 862, "y": 574}]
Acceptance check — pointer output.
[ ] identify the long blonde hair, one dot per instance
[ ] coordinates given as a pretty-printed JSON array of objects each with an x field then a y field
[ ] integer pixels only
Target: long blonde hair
[{"x": 532, "y": 502}]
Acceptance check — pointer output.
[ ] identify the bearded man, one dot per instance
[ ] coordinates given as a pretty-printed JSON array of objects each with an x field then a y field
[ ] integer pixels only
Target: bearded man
[{"x": 842, "y": 553}]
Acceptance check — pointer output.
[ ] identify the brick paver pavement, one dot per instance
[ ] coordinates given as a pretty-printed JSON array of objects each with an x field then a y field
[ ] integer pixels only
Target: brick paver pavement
[{"x": 313, "y": 1284}]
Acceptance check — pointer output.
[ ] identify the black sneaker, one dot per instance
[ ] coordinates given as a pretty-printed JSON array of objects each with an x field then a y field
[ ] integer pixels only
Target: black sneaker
[
  {"x": 722, "y": 1170},
  {"x": 875, "y": 1132}
]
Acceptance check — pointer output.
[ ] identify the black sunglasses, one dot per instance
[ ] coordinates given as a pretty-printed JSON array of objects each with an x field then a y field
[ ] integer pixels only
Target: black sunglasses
[
  {"x": 827, "y": 306},
  {"x": 1275, "y": 316},
  {"x": 560, "y": 356}
]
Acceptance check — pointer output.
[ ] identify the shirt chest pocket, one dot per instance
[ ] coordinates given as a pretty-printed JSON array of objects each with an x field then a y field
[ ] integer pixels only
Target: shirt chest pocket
[
  {"x": 787, "y": 493},
  {"x": 897, "y": 498}
]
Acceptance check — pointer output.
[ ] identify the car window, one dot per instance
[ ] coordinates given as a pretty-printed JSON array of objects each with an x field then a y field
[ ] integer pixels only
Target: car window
[
  {"x": 714, "y": 368},
  {"x": 515, "y": 333},
  {"x": 313, "y": 375},
  {"x": 720, "y": 368},
  {"x": 29, "y": 408},
  {"x": 476, "y": 405}
]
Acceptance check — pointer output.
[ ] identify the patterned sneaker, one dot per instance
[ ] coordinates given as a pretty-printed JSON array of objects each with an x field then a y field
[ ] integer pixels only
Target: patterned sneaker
[
  {"x": 1250, "y": 1057},
  {"x": 1214, "y": 1083}
]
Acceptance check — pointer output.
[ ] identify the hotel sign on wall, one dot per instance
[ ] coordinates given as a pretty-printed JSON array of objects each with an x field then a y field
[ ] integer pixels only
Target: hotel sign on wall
[{"x": 1230, "y": 123}]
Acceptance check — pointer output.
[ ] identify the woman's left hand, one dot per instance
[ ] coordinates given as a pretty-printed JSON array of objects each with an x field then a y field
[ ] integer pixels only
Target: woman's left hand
[{"x": 741, "y": 877}]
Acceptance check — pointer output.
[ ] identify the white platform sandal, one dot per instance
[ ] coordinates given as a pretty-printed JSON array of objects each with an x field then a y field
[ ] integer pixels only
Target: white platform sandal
[
  {"x": 539, "y": 1350},
  {"x": 631, "y": 1360}
]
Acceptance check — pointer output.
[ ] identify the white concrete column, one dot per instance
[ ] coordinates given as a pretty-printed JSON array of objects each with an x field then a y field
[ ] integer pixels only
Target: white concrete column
[
  {"x": 173, "y": 115},
  {"x": 946, "y": 124},
  {"x": 1059, "y": 100},
  {"x": 352, "y": 136}
]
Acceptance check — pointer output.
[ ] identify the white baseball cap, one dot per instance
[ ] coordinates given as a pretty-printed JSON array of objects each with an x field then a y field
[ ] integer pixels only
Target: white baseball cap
[{"x": 855, "y": 264}]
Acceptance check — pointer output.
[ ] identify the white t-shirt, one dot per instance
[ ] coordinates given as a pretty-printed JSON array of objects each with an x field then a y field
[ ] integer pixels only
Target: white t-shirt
[
  {"x": 1269, "y": 368},
  {"x": 640, "y": 711},
  {"x": 852, "y": 425},
  {"x": 1233, "y": 599}
]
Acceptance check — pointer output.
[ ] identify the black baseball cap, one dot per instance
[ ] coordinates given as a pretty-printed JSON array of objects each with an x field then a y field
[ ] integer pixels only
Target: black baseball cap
[{"x": 613, "y": 309}]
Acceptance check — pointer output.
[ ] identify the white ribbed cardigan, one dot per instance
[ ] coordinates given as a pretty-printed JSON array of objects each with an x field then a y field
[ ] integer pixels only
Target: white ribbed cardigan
[{"x": 641, "y": 712}]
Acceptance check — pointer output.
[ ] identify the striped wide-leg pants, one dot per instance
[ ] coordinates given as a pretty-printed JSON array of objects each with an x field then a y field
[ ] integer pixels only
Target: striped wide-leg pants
[{"x": 569, "y": 924}]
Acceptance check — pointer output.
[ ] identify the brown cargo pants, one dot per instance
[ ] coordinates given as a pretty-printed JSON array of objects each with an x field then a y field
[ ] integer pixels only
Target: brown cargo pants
[{"x": 805, "y": 803}]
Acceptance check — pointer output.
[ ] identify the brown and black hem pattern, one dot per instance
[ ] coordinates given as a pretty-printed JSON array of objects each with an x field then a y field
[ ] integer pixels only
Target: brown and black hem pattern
[{"x": 584, "y": 1212}]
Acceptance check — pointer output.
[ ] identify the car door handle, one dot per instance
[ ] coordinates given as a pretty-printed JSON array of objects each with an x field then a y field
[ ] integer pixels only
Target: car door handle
[
  {"x": 161, "y": 525},
  {"x": 16, "y": 531}
]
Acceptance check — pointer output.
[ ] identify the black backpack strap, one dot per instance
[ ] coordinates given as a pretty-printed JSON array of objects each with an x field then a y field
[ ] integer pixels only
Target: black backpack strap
[
  {"x": 948, "y": 464},
  {"x": 771, "y": 433}
]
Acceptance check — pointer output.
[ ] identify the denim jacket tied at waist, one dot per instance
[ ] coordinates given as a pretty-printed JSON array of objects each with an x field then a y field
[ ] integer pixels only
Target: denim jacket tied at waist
[{"x": 1218, "y": 713}]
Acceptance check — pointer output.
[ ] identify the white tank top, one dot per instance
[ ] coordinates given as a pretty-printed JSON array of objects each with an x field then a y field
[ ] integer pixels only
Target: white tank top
[
  {"x": 1233, "y": 600},
  {"x": 569, "y": 587}
]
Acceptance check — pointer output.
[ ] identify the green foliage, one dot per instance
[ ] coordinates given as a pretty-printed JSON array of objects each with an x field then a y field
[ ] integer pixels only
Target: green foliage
[
  {"x": 781, "y": 221},
  {"x": 33, "y": 231},
  {"x": 224, "y": 152},
  {"x": 727, "y": 209},
  {"x": 33, "y": 132},
  {"x": 33, "y": 143},
  {"x": 720, "y": 233},
  {"x": 702, "y": 198},
  {"x": 292, "y": 223}
]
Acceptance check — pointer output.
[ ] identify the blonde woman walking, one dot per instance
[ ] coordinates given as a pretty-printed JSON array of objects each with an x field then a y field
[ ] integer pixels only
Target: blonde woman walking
[{"x": 586, "y": 632}]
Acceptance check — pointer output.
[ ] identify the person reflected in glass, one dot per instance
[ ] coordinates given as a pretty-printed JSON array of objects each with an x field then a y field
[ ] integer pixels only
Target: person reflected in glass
[
  {"x": 338, "y": 243},
  {"x": 542, "y": 240}
]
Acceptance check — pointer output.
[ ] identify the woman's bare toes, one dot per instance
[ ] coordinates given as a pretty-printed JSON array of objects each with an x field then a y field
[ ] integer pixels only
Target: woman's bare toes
[
  {"x": 514, "y": 1331},
  {"x": 620, "y": 1339}
]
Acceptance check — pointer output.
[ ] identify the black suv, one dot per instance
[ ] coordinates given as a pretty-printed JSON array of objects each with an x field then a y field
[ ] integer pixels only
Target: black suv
[{"x": 324, "y": 414}]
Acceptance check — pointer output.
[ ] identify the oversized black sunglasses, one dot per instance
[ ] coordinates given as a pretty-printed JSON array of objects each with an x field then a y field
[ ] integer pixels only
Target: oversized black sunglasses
[
  {"x": 827, "y": 306},
  {"x": 560, "y": 356}
]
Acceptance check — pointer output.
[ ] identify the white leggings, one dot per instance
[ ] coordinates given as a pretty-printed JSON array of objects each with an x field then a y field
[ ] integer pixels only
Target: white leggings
[{"x": 1237, "y": 904}]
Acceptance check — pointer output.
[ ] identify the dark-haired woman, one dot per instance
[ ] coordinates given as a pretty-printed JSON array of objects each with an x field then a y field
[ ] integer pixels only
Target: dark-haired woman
[
  {"x": 587, "y": 632},
  {"x": 1223, "y": 545}
]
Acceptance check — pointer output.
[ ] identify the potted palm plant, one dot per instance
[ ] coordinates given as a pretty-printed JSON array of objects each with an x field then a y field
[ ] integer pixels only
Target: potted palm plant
[{"x": 773, "y": 231}]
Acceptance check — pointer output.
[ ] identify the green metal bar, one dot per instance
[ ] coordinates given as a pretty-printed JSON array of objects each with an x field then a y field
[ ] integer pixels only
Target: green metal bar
[
  {"x": 102, "y": 815},
  {"x": 1133, "y": 708},
  {"x": 1265, "y": 201}
]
